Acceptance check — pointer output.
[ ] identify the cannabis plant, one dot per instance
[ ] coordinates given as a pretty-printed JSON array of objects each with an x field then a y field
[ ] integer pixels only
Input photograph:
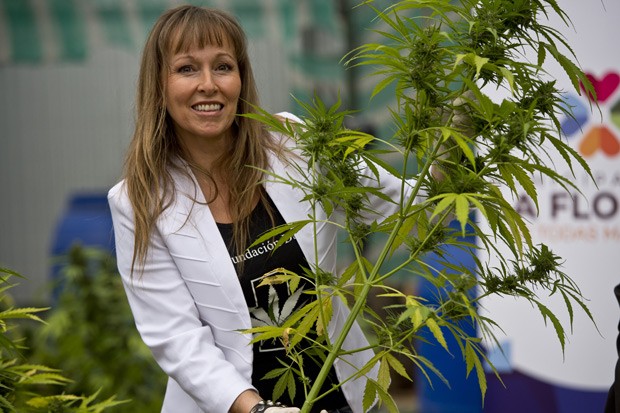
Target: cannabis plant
[
  {"x": 443, "y": 61},
  {"x": 27, "y": 387},
  {"x": 90, "y": 334}
]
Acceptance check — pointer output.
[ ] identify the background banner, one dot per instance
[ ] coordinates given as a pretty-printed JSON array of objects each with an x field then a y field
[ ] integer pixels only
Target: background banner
[{"x": 584, "y": 229}]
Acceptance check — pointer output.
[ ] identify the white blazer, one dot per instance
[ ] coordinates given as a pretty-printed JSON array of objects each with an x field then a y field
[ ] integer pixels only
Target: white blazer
[{"x": 188, "y": 304}]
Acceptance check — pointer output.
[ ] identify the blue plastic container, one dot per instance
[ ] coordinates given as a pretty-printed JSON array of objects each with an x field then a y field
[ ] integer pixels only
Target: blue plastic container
[
  {"x": 87, "y": 221},
  {"x": 463, "y": 395}
]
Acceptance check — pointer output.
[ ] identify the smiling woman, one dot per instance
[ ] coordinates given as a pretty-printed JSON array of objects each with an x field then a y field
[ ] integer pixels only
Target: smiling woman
[
  {"x": 202, "y": 92},
  {"x": 194, "y": 197}
]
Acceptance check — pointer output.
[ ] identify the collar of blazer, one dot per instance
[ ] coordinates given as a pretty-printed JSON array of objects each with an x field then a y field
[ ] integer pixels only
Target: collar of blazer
[{"x": 189, "y": 216}]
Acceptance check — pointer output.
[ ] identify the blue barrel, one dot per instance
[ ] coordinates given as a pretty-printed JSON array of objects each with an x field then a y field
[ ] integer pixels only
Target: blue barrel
[
  {"x": 87, "y": 221},
  {"x": 463, "y": 395}
]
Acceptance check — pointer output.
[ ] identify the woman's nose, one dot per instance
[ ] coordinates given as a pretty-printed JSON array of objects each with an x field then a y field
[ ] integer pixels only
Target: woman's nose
[{"x": 207, "y": 83}]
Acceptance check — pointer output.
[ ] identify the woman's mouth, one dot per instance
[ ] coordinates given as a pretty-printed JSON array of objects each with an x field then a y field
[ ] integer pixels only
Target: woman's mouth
[{"x": 208, "y": 107}]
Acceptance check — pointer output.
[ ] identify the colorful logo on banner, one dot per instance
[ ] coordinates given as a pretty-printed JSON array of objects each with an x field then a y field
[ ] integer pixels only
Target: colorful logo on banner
[
  {"x": 600, "y": 138},
  {"x": 594, "y": 131}
]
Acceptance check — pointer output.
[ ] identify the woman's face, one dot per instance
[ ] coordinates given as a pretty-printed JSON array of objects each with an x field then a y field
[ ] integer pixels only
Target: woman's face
[{"x": 202, "y": 91}]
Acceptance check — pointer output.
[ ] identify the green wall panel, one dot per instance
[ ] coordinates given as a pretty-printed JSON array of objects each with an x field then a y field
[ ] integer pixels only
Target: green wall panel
[
  {"x": 23, "y": 31},
  {"x": 71, "y": 29},
  {"x": 114, "y": 22}
]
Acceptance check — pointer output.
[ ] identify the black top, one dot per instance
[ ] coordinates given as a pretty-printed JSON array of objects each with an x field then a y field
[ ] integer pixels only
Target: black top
[{"x": 271, "y": 305}]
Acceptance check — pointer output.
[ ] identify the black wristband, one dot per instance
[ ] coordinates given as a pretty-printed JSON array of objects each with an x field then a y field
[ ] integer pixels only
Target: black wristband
[{"x": 263, "y": 405}]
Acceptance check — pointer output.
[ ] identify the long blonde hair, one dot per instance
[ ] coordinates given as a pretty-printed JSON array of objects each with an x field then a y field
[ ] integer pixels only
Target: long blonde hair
[{"x": 155, "y": 146}]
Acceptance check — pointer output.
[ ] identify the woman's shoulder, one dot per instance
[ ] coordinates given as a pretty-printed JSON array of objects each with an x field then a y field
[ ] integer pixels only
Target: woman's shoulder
[
  {"x": 117, "y": 195},
  {"x": 118, "y": 189},
  {"x": 119, "y": 202},
  {"x": 286, "y": 140}
]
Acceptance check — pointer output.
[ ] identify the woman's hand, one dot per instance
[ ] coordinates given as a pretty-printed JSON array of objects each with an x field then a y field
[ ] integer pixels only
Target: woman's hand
[{"x": 282, "y": 410}]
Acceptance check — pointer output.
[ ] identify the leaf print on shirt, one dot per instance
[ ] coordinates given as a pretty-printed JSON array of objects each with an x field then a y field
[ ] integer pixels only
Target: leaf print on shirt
[{"x": 274, "y": 315}]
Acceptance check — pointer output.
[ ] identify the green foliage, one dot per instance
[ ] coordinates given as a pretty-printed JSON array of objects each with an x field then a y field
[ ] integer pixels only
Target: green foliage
[
  {"x": 440, "y": 58},
  {"x": 33, "y": 388},
  {"x": 90, "y": 334}
]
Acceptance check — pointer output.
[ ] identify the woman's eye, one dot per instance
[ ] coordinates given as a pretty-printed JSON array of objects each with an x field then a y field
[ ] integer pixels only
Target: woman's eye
[
  {"x": 224, "y": 67},
  {"x": 185, "y": 69}
]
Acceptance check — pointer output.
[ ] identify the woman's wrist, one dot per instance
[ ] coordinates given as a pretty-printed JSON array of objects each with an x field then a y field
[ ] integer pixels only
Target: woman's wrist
[
  {"x": 263, "y": 405},
  {"x": 245, "y": 401}
]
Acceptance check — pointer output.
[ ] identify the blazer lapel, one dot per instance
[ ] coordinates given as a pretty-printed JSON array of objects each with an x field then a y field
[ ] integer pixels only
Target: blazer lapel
[
  {"x": 290, "y": 203},
  {"x": 200, "y": 222}
]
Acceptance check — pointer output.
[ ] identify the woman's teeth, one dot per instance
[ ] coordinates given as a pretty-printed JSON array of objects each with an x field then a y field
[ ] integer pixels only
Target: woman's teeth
[{"x": 208, "y": 108}]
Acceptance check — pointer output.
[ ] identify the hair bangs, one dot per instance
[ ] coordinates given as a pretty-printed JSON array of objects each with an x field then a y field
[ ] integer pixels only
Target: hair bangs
[{"x": 198, "y": 30}]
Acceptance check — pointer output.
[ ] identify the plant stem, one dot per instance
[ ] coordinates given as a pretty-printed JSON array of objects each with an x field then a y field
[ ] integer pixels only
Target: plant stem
[{"x": 360, "y": 302}]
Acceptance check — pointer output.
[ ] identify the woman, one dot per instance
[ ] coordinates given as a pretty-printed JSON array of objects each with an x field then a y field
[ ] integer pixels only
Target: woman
[{"x": 188, "y": 207}]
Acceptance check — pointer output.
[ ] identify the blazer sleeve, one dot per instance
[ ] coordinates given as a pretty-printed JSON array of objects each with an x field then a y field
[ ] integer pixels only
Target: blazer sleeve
[
  {"x": 393, "y": 188},
  {"x": 167, "y": 318}
]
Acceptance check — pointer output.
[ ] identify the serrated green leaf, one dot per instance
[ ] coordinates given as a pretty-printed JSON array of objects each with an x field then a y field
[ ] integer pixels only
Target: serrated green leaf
[
  {"x": 465, "y": 147},
  {"x": 482, "y": 378},
  {"x": 385, "y": 82},
  {"x": 583, "y": 306},
  {"x": 478, "y": 205},
  {"x": 386, "y": 400},
  {"x": 473, "y": 60},
  {"x": 272, "y": 374},
  {"x": 462, "y": 210},
  {"x": 418, "y": 315},
  {"x": 305, "y": 325},
  {"x": 292, "y": 389},
  {"x": 559, "y": 330},
  {"x": 287, "y": 231},
  {"x": 569, "y": 67},
  {"x": 280, "y": 387},
  {"x": 383, "y": 377},
  {"x": 397, "y": 366},
  {"x": 406, "y": 228},
  {"x": 10, "y": 272},
  {"x": 569, "y": 308},
  {"x": 526, "y": 182},
  {"x": 446, "y": 200},
  {"x": 326, "y": 312},
  {"x": 508, "y": 75},
  {"x": 265, "y": 333},
  {"x": 470, "y": 356},
  {"x": 365, "y": 369},
  {"x": 354, "y": 141},
  {"x": 541, "y": 56},
  {"x": 566, "y": 151},
  {"x": 437, "y": 333},
  {"x": 370, "y": 395},
  {"x": 508, "y": 178}
]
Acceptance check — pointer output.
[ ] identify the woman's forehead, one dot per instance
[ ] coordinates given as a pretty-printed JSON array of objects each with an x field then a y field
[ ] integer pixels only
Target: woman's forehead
[{"x": 195, "y": 37}]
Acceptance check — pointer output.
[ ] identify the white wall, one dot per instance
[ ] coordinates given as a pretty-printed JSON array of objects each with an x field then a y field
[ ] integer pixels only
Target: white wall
[{"x": 64, "y": 128}]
